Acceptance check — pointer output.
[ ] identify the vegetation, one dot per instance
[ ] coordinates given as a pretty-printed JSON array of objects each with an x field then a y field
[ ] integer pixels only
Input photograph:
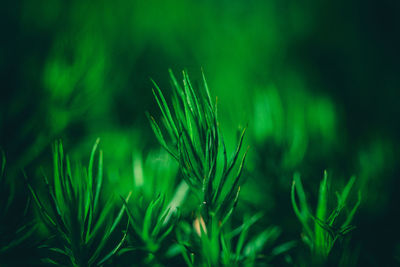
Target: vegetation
[
  {"x": 153, "y": 225},
  {"x": 98, "y": 169},
  {"x": 15, "y": 234},
  {"x": 322, "y": 230},
  {"x": 79, "y": 222}
]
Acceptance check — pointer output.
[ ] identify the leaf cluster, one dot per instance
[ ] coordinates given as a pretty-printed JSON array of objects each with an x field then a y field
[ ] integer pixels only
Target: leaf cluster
[
  {"x": 195, "y": 142},
  {"x": 86, "y": 224},
  {"x": 229, "y": 247},
  {"x": 150, "y": 223},
  {"x": 323, "y": 229},
  {"x": 82, "y": 225}
]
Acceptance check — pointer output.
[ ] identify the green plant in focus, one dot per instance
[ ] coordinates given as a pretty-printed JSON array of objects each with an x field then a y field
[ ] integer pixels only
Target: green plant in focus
[
  {"x": 322, "y": 230},
  {"x": 81, "y": 223},
  {"x": 195, "y": 143}
]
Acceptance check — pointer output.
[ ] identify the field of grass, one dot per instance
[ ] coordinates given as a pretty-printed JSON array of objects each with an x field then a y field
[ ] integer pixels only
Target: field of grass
[{"x": 199, "y": 133}]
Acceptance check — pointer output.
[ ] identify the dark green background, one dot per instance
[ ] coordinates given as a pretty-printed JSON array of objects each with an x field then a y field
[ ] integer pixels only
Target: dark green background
[{"x": 316, "y": 81}]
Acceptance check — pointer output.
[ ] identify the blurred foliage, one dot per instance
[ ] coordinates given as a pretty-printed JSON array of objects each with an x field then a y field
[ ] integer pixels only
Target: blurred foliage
[
  {"x": 316, "y": 83},
  {"x": 16, "y": 228},
  {"x": 323, "y": 230}
]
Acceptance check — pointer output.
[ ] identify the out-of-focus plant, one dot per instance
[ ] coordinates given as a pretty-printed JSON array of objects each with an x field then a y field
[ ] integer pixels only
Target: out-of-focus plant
[
  {"x": 13, "y": 236},
  {"x": 153, "y": 214},
  {"x": 154, "y": 174},
  {"x": 322, "y": 230},
  {"x": 150, "y": 224},
  {"x": 229, "y": 247},
  {"x": 290, "y": 120},
  {"x": 81, "y": 223}
]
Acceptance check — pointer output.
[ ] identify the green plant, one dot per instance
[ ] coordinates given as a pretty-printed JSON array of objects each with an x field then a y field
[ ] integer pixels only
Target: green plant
[
  {"x": 153, "y": 214},
  {"x": 196, "y": 143},
  {"x": 322, "y": 230},
  {"x": 174, "y": 221},
  {"x": 82, "y": 224},
  {"x": 150, "y": 224},
  {"x": 229, "y": 247},
  {"x": 154, "y": 174}
]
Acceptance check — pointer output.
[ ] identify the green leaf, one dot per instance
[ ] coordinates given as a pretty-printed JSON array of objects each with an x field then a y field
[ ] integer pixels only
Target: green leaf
[
  {"x": 321, "y": 212},
  {"x": 303, "y": 212},
  {"x": 353, "y": 211},
  {"x": 164, "y": 108}
]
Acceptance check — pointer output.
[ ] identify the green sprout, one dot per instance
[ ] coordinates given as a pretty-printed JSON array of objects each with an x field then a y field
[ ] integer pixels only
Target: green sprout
[
  {"x": 83, "y": 226},
  {"x": 322, "y": 230},
  {"x": 195, "y": 142}
]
